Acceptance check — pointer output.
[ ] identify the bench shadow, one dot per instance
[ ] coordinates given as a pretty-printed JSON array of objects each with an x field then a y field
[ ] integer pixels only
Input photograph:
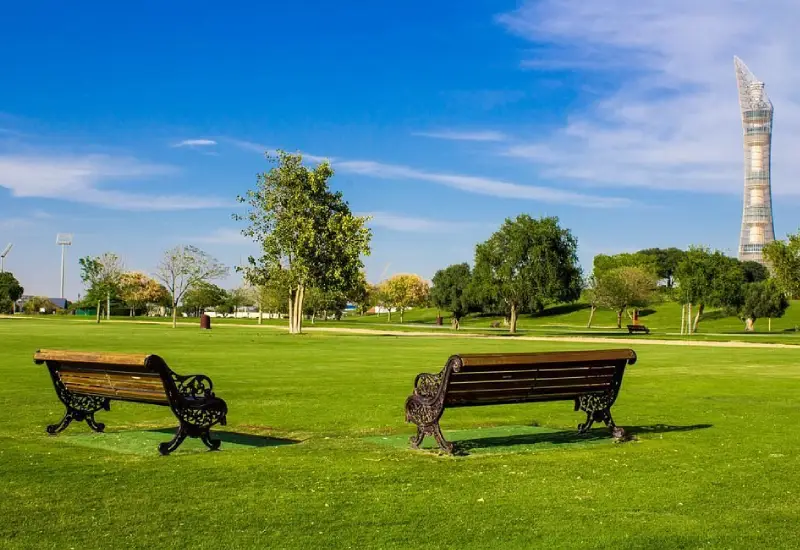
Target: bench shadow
[
  {"x": 248, "y": 440},
  {"x": 565, "y": 437}
]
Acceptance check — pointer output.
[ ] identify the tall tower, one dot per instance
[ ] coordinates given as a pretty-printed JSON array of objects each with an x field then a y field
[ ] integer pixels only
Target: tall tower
[{"x": 757, "y": 226}]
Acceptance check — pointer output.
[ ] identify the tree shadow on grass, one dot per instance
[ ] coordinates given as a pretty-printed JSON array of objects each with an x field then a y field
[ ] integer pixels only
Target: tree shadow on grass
[
  {"x": 565, "y": 437},
  {"x": 247, "y": 440}
]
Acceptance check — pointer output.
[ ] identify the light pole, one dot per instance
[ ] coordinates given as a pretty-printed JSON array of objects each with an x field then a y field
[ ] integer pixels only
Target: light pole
[
  {"x": 3, "y": 257},
  {"x": 63, "y": 240}
]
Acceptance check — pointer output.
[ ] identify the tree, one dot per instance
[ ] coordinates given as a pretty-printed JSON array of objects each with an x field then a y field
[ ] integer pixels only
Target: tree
[
  {"x": 784, "y": 260},
  {"x": 666, "y": 261},
  {"x": 203, "y": 295},
  {"x": 604, "y": 262},
  {"x": 525, "y": 265},
  {"x": 102, "y": 276},
  {"x": 307, "y": 234},
  {"x": 39, "y": 304},
  {"x": 754, "y": 272},
  {"x": 624, "y": 287},
  {"x": 707, "y": 279},
  {"x": 237, "y": 298},
  {"x": 451, "y": 291},
  {"x": 10, "y": 292},
  {"x": 183, "y": 267},
  {"x": 137, "y": 290},
  {"x": 403, "y": 291},
  {"x": 762, "y": 299}
]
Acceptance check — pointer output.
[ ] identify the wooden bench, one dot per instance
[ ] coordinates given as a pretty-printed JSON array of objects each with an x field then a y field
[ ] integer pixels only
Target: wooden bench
[
  {"x": 591, "y": 379},
  {"x": 87, "y": 382},
  {"x": 638, "y": 328}
]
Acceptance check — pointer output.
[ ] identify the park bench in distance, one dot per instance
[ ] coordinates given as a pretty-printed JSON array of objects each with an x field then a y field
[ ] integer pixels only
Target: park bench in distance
[
  {"x": 638, "y": 328},
  {"x": 591, "y": 379},
  {"x": 87, "y": 382}
]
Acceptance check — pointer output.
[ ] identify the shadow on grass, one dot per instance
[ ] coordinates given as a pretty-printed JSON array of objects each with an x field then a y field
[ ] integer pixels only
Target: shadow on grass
[
  {"x": 247, "y": 440},
  {"x": 565, "y": 437}
]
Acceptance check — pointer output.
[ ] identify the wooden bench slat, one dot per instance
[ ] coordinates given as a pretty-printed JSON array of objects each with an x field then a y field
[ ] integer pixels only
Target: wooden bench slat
[
  {"x": 533, "y": 384},
  {"x": 554, "y": 357},
  {"x": 458, "y": 377},
  {"x": 574, "y": 365},
  {"x": 104, "y": 359}
]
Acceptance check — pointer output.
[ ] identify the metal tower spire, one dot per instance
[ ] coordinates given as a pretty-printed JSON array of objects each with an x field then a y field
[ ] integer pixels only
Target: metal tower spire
[{"x": 757, "y": 226}]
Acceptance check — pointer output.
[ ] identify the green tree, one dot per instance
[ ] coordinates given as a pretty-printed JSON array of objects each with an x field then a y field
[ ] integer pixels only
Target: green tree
[
  {"x": 403, "y": 291},
  {"x": 101, "y": 275},
  {"x": 203, "y": 295},
  {"x": 137, "y": 290},
  {"x": 10, "y": 292},
  {"x": 307, "y": 234},
  {"x": 604, "y": 262},
  {"x": 39, "y": 304},
  {"x": 183, "y": 267},
  {"x": 624, "y": 287},
  {"x": 762, "y": 300},
  {"x": 784, "y": 260},
  {"x": 707, "y": 279},
  {"x": 754, "y": 272},
  {"x": 451, "y": 291},
  {"x": 666, "y": 261},
  {"x": 526, "y": 265}
]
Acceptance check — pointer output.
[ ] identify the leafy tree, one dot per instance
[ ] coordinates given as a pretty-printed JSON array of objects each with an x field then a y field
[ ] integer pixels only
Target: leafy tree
[
  {"x": 183, "y": 267},
  {"x": 307, "y": 234},
  {"x": 754, "y": 272},
  {"x": 39, "y": 304},
  {"x": 762, "y": 299},
  {"x": 237, "y": 298},
  {"x": 321, "y": 302},
  {"x": 784, "y": 260},
  {"x": 101, "y": 274},
  {"x": 451, "y": 291},
  {"x": 10, "y": 292},
  {"x": 203, "y": 295},
  {"x": 525, "y": 265},
  {"x": 137, "y": 290},
  {"x": 707, "y": 279},
  {"x": 604, "y": 262},
  {"x": 666, "y": 261},
  {"x": 624, "y": 287},
  {"x": 403, "y": 291}
]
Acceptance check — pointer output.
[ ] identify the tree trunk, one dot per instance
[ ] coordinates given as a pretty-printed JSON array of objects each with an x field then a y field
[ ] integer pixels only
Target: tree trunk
[
  {"x": 98, "y": 311},
  {"x": 260, "y": 314},
  {"x": 174, "y": 315},
  {"x": 456, "y": 323},
  {"x": 512, "y": 326},
  {"x": 749, "y": 325},
  {"x": 591, "y": 316},
  {"x": 402, "y": 310},
  {"x": 689, "y": 318},
  {"x": 313, "y": 316},
  {"x": 296, "y": 310},
  {"x": 108, "y": 306},
  {"x": 620, "y": 313},
  {"x": 389, "y": 316},
  {"x": 700, "y": 310},
  {"x": 683, "y": 318},
  {"x": 769, "y": 324}
]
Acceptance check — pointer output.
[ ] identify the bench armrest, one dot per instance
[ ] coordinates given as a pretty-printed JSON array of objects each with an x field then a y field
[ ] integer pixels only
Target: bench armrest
[
  {"x": 427, "y": 384},
  {"x": 194, "y": 385}
]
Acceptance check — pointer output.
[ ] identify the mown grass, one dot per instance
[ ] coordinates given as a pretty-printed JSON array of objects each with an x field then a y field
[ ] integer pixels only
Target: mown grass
[{"x": 715, "y": 462}]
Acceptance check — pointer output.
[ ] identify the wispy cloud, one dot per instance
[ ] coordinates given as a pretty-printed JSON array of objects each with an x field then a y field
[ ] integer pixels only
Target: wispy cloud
[
  {"x": 410, "y": 224},
  {"x": 266, "y": 149},
  {"x": 84, "y": 179},
  {"x": 667, "y": 116},
  {"x": 195, "y": 143},
  {"x": 485, "y": 135},
  {"x": 482, "y": 186}
]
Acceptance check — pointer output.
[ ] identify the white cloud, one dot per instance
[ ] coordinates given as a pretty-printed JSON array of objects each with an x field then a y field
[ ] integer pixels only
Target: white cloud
[
  {"x": 409, "y": 224},
  {"x": 485, "y": 135},
  {"x": 482, "y": 186},
  {"x": 667, "y": 116},
  {"x": 81, "y": 179},
  {"x": 195, "y": 143}
]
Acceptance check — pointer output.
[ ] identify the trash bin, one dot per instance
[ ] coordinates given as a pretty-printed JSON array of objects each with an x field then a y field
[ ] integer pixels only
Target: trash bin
[{"x": 205, "y": 322}]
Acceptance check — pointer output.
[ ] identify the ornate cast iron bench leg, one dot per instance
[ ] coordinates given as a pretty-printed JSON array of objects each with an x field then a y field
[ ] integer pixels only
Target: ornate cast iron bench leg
[
  {"x": 79, "y": 408},
  {"x": 196, "y": 423},
  {"x": 426, "y": 417},
  {"x": 175, "y": 442},
  {"x": 598, "y": 409}
]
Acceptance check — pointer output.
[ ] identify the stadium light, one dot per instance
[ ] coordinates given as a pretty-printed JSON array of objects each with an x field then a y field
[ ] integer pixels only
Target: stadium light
[
  {"x": 3, "y": 257},
  {"x": 63, "y": 240}
]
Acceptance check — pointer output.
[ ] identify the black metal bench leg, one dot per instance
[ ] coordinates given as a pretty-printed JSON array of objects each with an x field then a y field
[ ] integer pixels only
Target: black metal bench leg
[
  {"x": 174, "y": 443},
  {"x": 616, "y": 431},
  {"x": 53, "y": 429},
  {"x": 93, "y": 424},
  {"x": 586, "y": 426},
  {"x": 416, "y": 440},
  {"x": 210, "y": 442},
  {"x": 444, "y": 445}
]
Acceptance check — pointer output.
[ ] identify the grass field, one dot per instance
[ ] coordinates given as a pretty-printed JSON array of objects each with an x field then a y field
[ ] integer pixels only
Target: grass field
[{"x": 311, "y": 457}]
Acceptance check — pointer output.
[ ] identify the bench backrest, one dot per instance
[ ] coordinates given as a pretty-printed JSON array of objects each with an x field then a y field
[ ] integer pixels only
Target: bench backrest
[
  {"x": 490, "y": 379},
  {"x": 125, "y": 377}
]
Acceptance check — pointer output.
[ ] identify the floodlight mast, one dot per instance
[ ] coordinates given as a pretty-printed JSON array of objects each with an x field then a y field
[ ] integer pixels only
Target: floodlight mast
[
  {"x": 63, "y": 240},
  {"x": 3, "y": 255}
]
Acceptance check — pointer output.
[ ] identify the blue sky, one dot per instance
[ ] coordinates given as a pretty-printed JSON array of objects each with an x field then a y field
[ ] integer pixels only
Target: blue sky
[{"x": 135, "y": 126}]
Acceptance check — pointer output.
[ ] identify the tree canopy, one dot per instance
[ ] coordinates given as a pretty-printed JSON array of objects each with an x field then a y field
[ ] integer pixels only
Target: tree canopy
[
  {"x": 624, "y": 287},
  {"x": 451, "y": 291},
  {"x": 137, "y": 290},
  {"x": 10, "y": 292},
  {"x": 203, "y": 295},
  {"x": 762, "y": 300},
  {"x": 307, "y": 233},
  {"x": 403, "y": 291},
  {"x": 666, "y": 262},
  {"x": 525, "y": 265},
  {"x": 784, "y": 258}
]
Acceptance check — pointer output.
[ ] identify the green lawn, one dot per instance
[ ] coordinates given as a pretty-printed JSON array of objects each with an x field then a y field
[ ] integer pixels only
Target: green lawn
[{"x": 311, "y": 459}]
